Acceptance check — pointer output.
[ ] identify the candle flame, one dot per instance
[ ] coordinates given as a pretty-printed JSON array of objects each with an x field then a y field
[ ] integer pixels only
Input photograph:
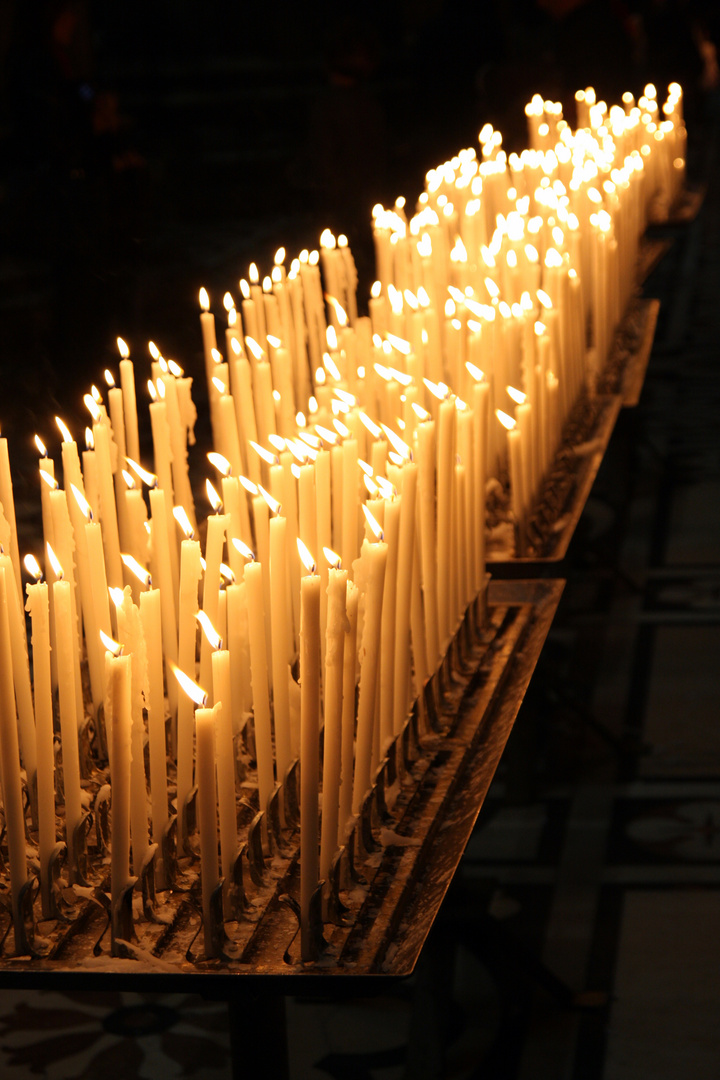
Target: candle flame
[
  {"x": 41, "y": 446},
  {"x": 274, "y": 505},
  {"x": 399, "y": 446},
  {"x": 49, "y": 480},
  {"x": 213, "y": 497},
  {"x": 226, "y": 573},
  {"x": 221, "y": 463},
  {"x": 373, "y": 523},
  {"x": 193, "y": 691},
  {"x": 151, "y": 389},
  {"x": 422, "y": 414},
  {"x": 506, "y": 420},
  {"x": 180, "y": 515},
  {"x": 305, "y": 556},
  {"x": 204, "y": 299},
  {"x": 253, "y": 273},
  {"x": 372, "y": 427},
  {"x": 175, "y": 369},
  {"x": 214, "y": 639},
  {"x": 266, "y": 455},
  {"x": 137, "y": 569},
  {"x": 279, "y": 256},
  {"x": 117, "y": 596},
  {"x": 517, "y": 395},
  {"x": 55, "y": 563},
  {"x": 340, "y": 315},
  {"x": 82, "y": 503},
  {"x": 327, "y": 435},
  {"x": 345, "y": 396},
  {"x": 254, "y": 348},
  {"x": 113, "y": 647},
  {"x": 33, "y": 567},
  {"x": 146, "y": 477},
  {"x": 243, "y": 548},
  {"x": 277, "y": 441},
  {"x": 109, "y": 378},
  {"x": 129, "y": 479},
  {"x": 331, "y": 367},
  {"x": 123, "y": 348},
  {"x": 244, "y": 289},
  {"x": 370, "y": 485},
  {"x": 400, "y": 344},
  {"x": 438, "y": 389},
  {"x": 64, "y": 430},
  {"x": 248, "y": 485},
  {"x": 333, "y": 558},
  {"x": 228, "y": 302},
  {"x": 300, "y": 419},
  {"x": 89, "y": 439},
  {"x": 219, "y": 385},
  {"x": 341, "y": 428},
  {"x": 476, "y": 373}
]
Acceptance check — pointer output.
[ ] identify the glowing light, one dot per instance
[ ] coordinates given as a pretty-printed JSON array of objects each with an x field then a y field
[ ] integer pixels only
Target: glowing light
[
  {"x": 41, "y": 446},
  {"x": 204, "y": 299},
  {"x": 82, "y": 503},
  {"x": 506, "y": 420},
  {"x": 147, "y": 477},
  {"x": 113, "y": 647},
  {"x": 137, "y": 569},
  {"x": 274, "y": 505},
  {"x": 193, "y": 691},
  {"x": 266, "y": 455},
  {"x": 213, "y": 638},
  {"x": 248, "y": 485},
  {"x": 109, "y": 378},
  {"x": 55, "y": 563},
  {"x": 180, "y": 515},
  {"x": 33, "y": 567},
  {"x": 64, "y": 430},
  {"x": 221, "y": 463},
  {"x": 305, "y": 556},
  {"x": 373, "y": 523},
  {"x": 123, "y": 348},
  {"x": 213, "y": 497},
  {"x": 244, "y": 550},
  {"x": 333, "y": 558},
  {"x": 517, "y": 395}
]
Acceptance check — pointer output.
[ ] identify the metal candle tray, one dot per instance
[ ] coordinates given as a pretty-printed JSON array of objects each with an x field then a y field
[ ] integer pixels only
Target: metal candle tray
[{"x": 389, "y": 879}]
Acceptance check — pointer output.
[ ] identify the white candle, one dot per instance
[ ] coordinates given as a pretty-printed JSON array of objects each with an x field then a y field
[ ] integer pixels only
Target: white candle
[
  {"x": 162, "y": 575},
  {"x": 119, "y": 700},
  {"x": 151, "y": 616},
  {"x": 391, "y": 530},
  {"x": 348, "y": 712},
  {"x": 375, "y": 560},
  {"x": 309, "y": 749},
  {"x": 280, "y": 644},
  {"x": 190, "y": 575},
  {"x": 254, "y": 573},
  {"x": 225, "y": 762},
  {"x": 39, "y": 609},
  {"x": 21, "y": 677},
  {"x": 10, "y": 755},
  {"x": 205, "y": 725},
  {"x": 406, "y": 550},
  {"x": 333, "y": 714},
  {"x": 68, "y": 713}
]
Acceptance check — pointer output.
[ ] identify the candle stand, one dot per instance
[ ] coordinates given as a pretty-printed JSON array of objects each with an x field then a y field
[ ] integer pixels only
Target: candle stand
[{"x": 388, "y": 880}]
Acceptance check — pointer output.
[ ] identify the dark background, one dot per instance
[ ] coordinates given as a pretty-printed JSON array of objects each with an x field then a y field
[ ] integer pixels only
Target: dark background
[{"x": 149, "y": 148}]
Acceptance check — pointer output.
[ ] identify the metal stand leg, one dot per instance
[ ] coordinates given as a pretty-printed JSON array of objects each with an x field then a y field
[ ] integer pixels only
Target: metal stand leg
[{"x": 258, "y": 1036}]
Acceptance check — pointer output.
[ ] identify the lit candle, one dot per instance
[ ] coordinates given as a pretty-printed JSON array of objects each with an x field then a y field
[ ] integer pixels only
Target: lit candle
[
  {"x": 21, "y": 679},
  {"x": 127, "y": 385},
  {"x": 190, "y": 575},
  {"x": 205, "y": 730},
  {"x": 10, "y": 759},
  {"x": 255, "y": 592},
  {"x": 333, "y": 708},
  {"x": 280, "y": 644},
  {"x": 225, "y": 762},
  {"x": 119, "y": 709},
  {"x": 130, "y": 632},
  {"x": 406, "y": 550},
  {"x": 309, "y": 735},
  {"x": 151, "y": 617},
  {"x": 374, "y": 557},
  {"x": 348, "y": 710},
  {"x": 39, "y": 609}
]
